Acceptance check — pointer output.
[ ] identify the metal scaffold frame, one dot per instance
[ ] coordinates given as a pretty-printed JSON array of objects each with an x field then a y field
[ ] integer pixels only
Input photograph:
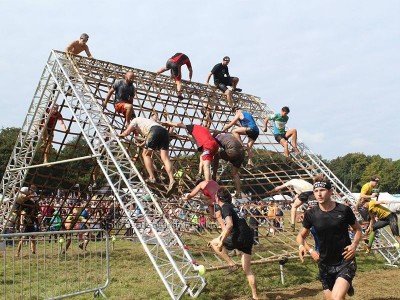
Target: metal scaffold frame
[{"x": 79, "y": 85}]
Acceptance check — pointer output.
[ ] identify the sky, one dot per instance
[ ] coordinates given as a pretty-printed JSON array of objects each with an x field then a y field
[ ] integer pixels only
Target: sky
[{"x": 336, "y": 64}]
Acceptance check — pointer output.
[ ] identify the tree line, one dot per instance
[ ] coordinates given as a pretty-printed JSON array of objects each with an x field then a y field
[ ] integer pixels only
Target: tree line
[{"x": 353, "y": 169}]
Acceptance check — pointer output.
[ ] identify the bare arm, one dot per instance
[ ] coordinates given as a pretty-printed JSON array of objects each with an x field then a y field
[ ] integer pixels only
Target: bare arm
[
  {"x": 303, "y": 245},
  {"x": 190, "y": 73},
  {"x": 208, "y": 77},
  {"x": 64, "y": 128},
  {"x": 109, "y": 94},
  {"x": 278, "y": 188},
  {"x": 88, "y": 52},
  {"x": 127, "y": 131},
  {"x": 350, "y": 250},
  {"x": 233, "y": 122},
  {"x": 195, "y": 191}
]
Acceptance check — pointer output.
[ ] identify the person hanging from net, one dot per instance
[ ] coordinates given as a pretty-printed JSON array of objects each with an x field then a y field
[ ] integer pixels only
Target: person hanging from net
[{"x": 156, "y": 138}]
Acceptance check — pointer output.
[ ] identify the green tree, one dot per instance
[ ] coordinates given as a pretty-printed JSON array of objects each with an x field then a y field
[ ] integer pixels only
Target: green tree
[{"x": 8, "y": 137}]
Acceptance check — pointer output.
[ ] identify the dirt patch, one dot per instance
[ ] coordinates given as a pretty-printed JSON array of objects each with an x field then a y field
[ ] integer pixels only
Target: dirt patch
[{"x": 376, "y": 285}]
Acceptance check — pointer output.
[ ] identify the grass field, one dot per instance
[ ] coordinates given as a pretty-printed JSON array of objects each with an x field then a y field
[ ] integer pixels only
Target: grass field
[{"x": 133, "y": 277}]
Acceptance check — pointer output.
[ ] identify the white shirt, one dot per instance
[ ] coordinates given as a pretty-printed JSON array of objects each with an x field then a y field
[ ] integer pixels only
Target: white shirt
[
  {"x": 143, "y": 124},
  {"x": 299, "y": 185}
]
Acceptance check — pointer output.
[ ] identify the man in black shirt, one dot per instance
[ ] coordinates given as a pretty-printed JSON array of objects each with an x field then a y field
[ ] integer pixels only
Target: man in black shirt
[
  {"x": 236, "y": 234},
  {"x": 336, "y": 259},
  {"x": 222, "y": 79}
]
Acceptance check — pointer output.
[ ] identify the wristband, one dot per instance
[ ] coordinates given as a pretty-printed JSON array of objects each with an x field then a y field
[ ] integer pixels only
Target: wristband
[
  {"x": 301, "y": 246},
  {"x": 311, "y": 250}
]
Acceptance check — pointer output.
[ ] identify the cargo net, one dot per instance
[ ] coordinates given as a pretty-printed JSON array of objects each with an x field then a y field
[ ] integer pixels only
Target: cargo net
[{"x": 80, "y": 186}]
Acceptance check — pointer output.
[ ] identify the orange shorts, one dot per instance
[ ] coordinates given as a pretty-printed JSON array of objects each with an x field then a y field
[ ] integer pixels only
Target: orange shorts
[{"x": 120, "y": 107}]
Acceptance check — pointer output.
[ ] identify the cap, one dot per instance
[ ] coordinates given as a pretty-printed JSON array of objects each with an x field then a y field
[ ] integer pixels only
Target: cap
[
  {"x": 84, "y": 36},
  {"x": 24, "y": 190},
  {"x": 226, "y": 58}
]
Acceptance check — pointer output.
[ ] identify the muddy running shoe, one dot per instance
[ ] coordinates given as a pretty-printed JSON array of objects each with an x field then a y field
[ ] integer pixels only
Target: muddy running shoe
[
  {"x": 350, "y": 292},
  {"x": 293, "y": 227},
  {"x": 368, "y": 249},
  {"x": 171, "y": 188}
]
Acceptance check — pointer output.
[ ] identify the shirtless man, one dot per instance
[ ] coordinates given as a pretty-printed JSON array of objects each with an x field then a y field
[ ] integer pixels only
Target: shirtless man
[
  {"x": 125, "y": 91},
  {"x": 78, "y": 46}
]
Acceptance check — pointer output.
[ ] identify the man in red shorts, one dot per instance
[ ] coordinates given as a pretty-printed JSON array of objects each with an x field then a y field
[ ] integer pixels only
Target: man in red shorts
[
  {"x": 124, "y": 93},
  {"x": 174, "y": 64},
  {"x": 205, "y": 144}
]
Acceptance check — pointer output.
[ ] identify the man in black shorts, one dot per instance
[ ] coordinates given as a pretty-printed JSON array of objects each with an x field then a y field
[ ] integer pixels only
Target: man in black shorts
[
  {"x": 222, "y": 79},
  {"x": 304, "y": 192},
  {"x": 231, "y": 150},
  {"x": 336, "y": 257},
  {"x": 236, "y": 234},
  {"x": 29, "y": 221},
  {"x": 156, "y": 138},
  {"x": 174, "y": 64}
]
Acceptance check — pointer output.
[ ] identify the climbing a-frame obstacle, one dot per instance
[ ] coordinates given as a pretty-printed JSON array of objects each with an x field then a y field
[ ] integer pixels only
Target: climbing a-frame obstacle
[{"x": 91, "y": 168}]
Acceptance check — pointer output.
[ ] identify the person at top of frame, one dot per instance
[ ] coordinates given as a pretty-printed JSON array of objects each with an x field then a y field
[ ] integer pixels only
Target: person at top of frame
[
  {"x": 174, "y": 64},
  {"x": 80, "y": 45}
]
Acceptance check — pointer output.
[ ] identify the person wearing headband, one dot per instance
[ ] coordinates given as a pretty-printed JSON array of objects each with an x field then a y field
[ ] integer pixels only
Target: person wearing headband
[
  {"x": 236, "y": 234},
  {"x": 80, "y": 45},
  {"x": 336, "y": 257}
]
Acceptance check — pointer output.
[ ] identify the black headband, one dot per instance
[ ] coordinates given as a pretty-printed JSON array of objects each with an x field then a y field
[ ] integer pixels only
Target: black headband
[{"x": 322, "y": 184}]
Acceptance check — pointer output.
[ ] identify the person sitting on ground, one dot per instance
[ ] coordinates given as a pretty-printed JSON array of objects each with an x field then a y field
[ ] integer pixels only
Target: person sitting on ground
[
  {"x": 48, "y": 134},
  {"x": 281, "y": 135},
  {"x": 231, "y": 150},
  {"x": 304, "y": 192},
  {"x": 236, "y": 235},
  {"x": 222, "y": 79},
  {"x": 175, "y": 64},
  {"x": 80, "y": 45},
  {"x": 385, "y": 217},
  {"x": 156, "y": 138},
  {"x": 247, "y": 127},
  {"x": 125, "y": 92},
  {"x": 205, "y": 144}
]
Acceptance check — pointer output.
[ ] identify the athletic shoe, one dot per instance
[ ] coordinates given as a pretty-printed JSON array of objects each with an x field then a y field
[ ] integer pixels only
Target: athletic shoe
[
  {"x": 171, "y": 188},
  {"x": 293, "y": 227},
  {"x": 350, "y": 292},
  {"x": 368, "y": 249}
]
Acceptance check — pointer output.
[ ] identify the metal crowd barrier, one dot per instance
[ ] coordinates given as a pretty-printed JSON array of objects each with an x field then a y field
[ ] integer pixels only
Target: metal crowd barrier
[{"x": 50, "y": 270}]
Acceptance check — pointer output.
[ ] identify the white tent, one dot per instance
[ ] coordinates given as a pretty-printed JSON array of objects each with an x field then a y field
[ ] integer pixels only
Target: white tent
[{"x": 394, "y": 206}]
